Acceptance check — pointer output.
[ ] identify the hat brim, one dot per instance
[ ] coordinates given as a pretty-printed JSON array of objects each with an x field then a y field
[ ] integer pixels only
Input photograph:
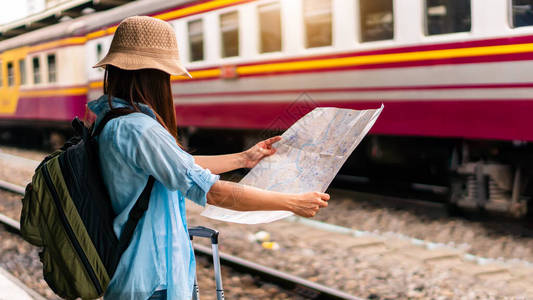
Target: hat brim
[{"x": 131, "y": 61}]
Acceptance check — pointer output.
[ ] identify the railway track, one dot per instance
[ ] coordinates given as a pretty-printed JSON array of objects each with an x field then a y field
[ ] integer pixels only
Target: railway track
[{"x": 294, "y": 284}]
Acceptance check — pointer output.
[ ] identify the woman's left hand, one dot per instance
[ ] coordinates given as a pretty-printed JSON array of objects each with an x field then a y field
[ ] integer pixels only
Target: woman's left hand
[{"x": 259, "y": 151}]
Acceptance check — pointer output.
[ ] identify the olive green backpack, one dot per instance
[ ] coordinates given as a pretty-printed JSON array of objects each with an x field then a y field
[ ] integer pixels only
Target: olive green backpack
[{"x": 67, "y": 211}]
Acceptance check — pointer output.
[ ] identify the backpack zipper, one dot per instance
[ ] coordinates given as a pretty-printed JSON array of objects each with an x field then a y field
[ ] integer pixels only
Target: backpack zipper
[{"x": 69, "y": 231}]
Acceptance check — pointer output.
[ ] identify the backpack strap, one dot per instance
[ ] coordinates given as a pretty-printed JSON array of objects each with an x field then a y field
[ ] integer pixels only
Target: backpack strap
[
  {"x": 140, "y": 206},
  {"x": 110, "y": 115},
  {"x": 136, "y": 212}
]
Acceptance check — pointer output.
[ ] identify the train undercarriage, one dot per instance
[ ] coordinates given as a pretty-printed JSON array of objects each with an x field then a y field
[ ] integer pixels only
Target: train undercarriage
[
  {"x": 471, "y": 175},
  {"x": 493, "y": 177}
]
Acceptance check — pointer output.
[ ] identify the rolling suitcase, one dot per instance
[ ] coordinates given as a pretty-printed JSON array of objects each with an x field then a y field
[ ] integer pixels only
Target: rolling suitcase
[{"x": 201, "y": 231}]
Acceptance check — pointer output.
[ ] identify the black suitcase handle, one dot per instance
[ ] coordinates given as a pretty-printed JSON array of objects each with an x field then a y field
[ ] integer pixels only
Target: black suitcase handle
[{"x": 202, "y": 231}]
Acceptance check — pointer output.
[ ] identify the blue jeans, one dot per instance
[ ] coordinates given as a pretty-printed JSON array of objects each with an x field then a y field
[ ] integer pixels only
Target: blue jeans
[{"x": 159, "y": 295}]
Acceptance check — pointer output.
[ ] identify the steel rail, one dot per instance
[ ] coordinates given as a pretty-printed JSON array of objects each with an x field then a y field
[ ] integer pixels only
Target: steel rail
[
  {"x": 10, "y": 187},
  {"x": 300, "y": 286}
]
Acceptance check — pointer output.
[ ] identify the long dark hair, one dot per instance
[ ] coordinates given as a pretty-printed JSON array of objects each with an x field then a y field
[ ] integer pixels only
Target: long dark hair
[{"x": 147, "y": 86}]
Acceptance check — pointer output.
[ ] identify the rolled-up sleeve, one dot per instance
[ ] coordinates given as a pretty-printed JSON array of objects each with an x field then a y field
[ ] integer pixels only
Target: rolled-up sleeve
[
  {"x": 201, "y": 182},
  {"x": 156, "y": 153}
]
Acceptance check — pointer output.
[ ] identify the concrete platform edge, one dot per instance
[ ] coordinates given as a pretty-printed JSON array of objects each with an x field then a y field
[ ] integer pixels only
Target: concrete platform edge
[{"x": 21, "y": 285}]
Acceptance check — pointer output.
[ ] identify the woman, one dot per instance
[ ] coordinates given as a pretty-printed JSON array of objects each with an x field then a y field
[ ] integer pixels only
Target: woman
[{"x": 159, "y": 262}]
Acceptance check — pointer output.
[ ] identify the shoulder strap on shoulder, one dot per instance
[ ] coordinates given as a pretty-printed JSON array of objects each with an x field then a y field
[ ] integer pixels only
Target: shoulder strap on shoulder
[
  {"x": 110, "y": 115},
  {"x": 136, "y": 212}
]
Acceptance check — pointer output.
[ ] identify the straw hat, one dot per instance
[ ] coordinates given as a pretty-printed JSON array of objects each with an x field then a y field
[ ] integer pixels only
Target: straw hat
[{"x": 142, "y": 42}]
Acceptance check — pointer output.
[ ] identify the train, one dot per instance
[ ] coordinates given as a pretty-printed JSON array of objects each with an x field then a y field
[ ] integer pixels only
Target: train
[{"x": 455, "y": 78}]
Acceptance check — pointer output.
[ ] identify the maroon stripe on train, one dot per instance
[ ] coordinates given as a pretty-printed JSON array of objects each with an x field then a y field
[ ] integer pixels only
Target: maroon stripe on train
[
  {"x": 500, "y": 119},
  {"x": 55, "y": 108},
  {"x": 409, "y": 64},
  {"x": 363, "y": 89},
  {"x": 484, "y": 119}
]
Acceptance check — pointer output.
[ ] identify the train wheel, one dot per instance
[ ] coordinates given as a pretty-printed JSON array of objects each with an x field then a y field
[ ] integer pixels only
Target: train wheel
[{"x": 457, "y": 191}]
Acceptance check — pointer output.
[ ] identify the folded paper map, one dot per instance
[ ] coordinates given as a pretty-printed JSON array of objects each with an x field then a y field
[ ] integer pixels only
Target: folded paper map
[{"x": 308, "y": 157}]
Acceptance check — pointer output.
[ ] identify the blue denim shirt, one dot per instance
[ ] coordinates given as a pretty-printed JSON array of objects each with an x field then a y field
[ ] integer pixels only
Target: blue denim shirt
[{"x": 160, "y": 255}]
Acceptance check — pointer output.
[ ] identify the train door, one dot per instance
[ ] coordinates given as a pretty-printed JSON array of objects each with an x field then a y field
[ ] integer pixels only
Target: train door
[{"x": 12, "y": 75}]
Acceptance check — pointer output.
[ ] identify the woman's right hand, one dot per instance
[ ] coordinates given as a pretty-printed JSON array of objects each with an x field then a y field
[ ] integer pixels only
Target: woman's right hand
[{"x": 308, "y": 204}]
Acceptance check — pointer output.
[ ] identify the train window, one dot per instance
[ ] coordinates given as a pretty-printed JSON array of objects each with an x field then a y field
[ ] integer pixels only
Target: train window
[
  {"x": 229, "y": 27},
  {"x": 270, "y": 27},
  {"x": 22, "y": 71},
  {"x": 377, "y": 21},
  {"x": 51, "y": 60},
  {"x": 36, "y": 70},
  {"x": 10, "y": 74},
  {"x": 447, "y": 16},
  {"x": 196, "y": 40},
  {"x": 522, "y": 11},
  {"x": 318, "y": 25}
]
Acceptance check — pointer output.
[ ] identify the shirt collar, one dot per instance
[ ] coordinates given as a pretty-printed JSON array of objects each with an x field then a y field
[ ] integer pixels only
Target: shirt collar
[{"x": 100, "y": 106}]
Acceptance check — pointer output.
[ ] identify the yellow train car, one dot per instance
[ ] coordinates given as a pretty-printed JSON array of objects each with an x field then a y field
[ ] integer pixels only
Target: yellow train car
[{"x": 12, "y": 73}]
